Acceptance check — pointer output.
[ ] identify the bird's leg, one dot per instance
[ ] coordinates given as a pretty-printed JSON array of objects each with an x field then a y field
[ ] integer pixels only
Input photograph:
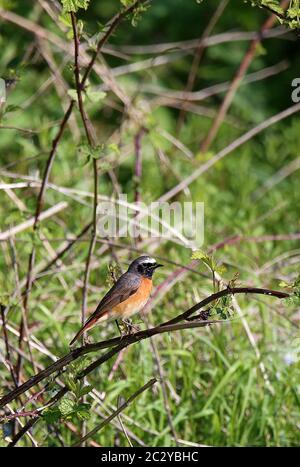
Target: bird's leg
[
  {"x": 123, "y": 328},
  {"x": 126, "y": 327},
  {"x": 119, "y": 328},
  {"x": 87, "y": 340},
  {"x": 130, "y": 327}
]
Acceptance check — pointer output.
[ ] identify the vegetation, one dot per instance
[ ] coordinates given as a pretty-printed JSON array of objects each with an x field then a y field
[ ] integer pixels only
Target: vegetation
[{"x": 170, "y": 100}]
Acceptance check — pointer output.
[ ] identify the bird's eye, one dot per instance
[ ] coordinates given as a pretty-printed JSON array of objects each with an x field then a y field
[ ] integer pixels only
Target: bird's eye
[{"x": 145, "y": 266}]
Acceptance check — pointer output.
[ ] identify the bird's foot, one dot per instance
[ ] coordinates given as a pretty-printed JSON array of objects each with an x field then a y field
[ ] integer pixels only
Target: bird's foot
[
  {"x": 87, "y": 340},
  {"x": 131, "y": 327},
  {"x": 122, "y": 327},
  {"x": 126, "y": 328}
]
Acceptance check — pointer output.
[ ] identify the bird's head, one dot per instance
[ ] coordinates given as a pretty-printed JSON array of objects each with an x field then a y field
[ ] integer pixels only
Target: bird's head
[{"x": 144, "y": 265}]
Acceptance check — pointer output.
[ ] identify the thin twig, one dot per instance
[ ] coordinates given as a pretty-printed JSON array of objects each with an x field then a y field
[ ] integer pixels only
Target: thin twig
[
  {"x": 198, "y": 55},
  {"x": 7, "y": 348},
  {"x": 163, "y": 386},
  {"x": 242, "y": 69},
  {"x": 114, "y": 23},
  {"x": 117, "y": 412},
  {"x": 228, "y": 149},
  {"x": 10, "y": 233},
  {"x": 89, "y": 131}
]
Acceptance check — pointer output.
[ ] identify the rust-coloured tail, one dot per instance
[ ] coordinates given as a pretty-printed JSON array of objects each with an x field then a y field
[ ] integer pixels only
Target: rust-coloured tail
[
  {"x": 80, "y": 332},
  {"x": 87, "y": 326}
]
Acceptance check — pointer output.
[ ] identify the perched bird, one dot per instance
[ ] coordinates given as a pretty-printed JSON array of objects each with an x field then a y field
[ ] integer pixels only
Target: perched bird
[{"x": 127, "y": 297}]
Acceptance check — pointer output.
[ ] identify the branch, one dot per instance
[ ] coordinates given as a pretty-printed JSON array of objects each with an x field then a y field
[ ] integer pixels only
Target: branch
[
  {"x": 89, "y": 131},
  {"x": 276, "y": 13},
  {"x": 7, "y": 348},
  {"x": 239, "y": 75},
  {"x": 114, "y": 24},
  {"x": 223, "y": 293},
  {"x": 119, "y": 343},
  {"x": 30, "y": 413},
  {"x": 228, "y": 149}
]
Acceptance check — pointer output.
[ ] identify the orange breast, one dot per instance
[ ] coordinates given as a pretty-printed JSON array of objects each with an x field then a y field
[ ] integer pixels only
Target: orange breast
[{"x": 135, "y": 302}]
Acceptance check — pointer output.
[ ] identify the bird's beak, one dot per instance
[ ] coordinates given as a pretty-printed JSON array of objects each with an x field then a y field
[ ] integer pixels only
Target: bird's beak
[{"x": 157, "y": 266}]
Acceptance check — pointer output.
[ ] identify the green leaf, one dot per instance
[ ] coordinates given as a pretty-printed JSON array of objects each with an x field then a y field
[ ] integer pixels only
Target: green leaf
[
  {"x": 285, "y": 285},
  {"x": 127, "y": 3},
  {"x": 90, "y": 152},
  {"x": 78, "y": 366},
  {"x": 114, "y": 148},
  {"x": 73, "y": 94},
  {"x": 198, "y": 255},
  {"x": 209, "y": 261},
  {"x": 66, "y": 406},
  {"x": 82, "y": 411},
  {"x": 51, "y": 415},
  {"x": 95, "y": 96},
  {"x": 85, "y": 390},
  {"x": 65, "y": 18},
  {"x": 74, "y": 5},
  {"x": 273, "y": 5},
  {"x": 71, "y": 383}
]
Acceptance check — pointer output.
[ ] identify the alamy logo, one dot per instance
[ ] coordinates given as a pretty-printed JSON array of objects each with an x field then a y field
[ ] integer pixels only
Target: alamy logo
[
  {"x": 2, "y": 91},
  {"x": 296, "y": 91},
  {"x": 182, "y": 223}
]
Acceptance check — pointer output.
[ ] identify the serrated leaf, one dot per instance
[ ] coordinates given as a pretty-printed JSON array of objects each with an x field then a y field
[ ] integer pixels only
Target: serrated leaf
[
  {"x": 220, "y": 269},
  {"x": 80, "y": 365},
  {"x": 66, "y": 406},
  {"x": 198, "y": 255},
  {"x": 65, "y": 18},
  {"x": 74, "y": 5},
  {"x": 90, "y": 152},
  {"x": 71, "y": 383},
  {"x": 127, "y": 3},
  {"x": 51, "y": 415},
  {"x": 83, "y": 411}
]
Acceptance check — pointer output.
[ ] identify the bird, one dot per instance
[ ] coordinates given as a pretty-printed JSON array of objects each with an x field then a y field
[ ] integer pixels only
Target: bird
[{"x": 127, "y": 296}]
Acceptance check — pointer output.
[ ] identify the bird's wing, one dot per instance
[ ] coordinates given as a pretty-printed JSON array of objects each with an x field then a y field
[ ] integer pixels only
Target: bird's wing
[{"x": 125, "y": 286}]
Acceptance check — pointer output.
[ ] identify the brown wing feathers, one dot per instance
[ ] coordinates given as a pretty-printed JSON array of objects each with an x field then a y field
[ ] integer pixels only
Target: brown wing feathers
[{"x": 125, "y": 286}]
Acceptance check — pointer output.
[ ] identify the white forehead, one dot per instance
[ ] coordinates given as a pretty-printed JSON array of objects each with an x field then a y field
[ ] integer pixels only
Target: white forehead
[{"x": 148, "y": 259}]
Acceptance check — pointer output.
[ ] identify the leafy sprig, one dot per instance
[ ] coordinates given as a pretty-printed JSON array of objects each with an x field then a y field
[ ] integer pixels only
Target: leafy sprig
[
  {"x": 74, "y": 5},
  {"x": 289, "y": 17},
  {"x": 294, "y": 289},
  {"x": 71, "y": 407}
]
